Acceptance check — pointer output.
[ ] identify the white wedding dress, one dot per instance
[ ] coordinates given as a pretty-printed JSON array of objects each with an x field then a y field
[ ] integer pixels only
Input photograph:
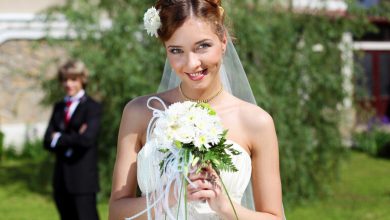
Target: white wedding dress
[{"x": 236, "y": 183}]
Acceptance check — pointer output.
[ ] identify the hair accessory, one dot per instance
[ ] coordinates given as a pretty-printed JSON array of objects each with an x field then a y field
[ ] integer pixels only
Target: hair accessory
[
  {"x": 221, "y": 10},
  {"x": 152, "y": 21}
]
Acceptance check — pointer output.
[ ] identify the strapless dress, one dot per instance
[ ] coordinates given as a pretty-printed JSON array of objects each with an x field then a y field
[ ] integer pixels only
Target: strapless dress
[{"x": 236, "y": 182}]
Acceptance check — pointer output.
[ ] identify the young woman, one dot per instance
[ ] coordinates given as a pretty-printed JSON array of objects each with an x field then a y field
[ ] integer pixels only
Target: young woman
[{"x": 197, "y": 47}]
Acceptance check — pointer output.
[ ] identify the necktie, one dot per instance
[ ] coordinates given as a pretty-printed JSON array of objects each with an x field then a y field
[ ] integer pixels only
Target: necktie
[{"x": 67, "y": 112}]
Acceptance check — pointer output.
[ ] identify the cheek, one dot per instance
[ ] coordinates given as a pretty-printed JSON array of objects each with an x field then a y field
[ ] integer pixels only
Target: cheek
[
  {"x": 213, "y": 58},
  {"x": 176, "y": 63},
  {"x": 76, "y": 84},
  {"x": 79, "y": 84}
]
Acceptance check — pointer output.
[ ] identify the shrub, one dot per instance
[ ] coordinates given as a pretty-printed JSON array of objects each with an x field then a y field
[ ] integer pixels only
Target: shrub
[
  {"x": 31, "y": 150},
  {"x": 375, "y": 140},
  {"x": 1, "y": 145},
  {"x": 32, "y": 165}
]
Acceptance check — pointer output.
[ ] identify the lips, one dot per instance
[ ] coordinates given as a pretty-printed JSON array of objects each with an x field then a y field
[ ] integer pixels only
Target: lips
[{"x": 198, "y": 75}]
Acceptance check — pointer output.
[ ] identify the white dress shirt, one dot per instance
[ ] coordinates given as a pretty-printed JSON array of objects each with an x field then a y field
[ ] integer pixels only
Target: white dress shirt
[{"x": 75, "y": 102}]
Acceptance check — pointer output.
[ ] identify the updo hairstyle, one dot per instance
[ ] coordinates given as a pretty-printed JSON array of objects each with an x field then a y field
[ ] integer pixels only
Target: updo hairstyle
[{"x": 173, "y": 13}]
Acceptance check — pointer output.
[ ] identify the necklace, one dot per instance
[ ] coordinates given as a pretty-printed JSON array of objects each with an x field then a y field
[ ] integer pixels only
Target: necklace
[{"x": 199, "y": 100}]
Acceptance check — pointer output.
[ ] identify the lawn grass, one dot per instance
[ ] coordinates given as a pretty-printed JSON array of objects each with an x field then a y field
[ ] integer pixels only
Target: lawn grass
[
  {"x": 363, "y": 192},
  {"x": 25, "y": 191}
]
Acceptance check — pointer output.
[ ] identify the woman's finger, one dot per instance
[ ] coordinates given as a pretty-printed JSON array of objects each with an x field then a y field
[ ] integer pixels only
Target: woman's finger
[
  {"x": 202, "y": 195},
  {"x": 199, "y": 185}
]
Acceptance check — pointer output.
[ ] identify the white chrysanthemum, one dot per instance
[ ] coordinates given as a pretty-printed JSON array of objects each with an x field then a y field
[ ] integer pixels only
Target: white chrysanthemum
[
  {"x": 152, "y": 21},
  {"x": 185, "y": 134},
  {"x": 187, "y": 123},
  {"x": 200, "y": 141},
  {"x": 179, "y": 109}
]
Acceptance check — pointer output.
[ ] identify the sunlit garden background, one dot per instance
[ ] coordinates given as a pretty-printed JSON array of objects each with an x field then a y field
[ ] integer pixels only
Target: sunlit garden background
[{"x": 304, "y": 69}]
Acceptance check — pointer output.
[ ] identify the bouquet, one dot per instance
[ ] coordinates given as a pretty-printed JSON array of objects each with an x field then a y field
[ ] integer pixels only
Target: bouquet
[{"x": 191, "y": 135}]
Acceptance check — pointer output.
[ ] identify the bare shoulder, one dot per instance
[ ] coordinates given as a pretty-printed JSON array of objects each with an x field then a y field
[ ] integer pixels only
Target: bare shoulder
[
  {"x": 141, "y": 103},
  {"x": 259, "y": 128},
  {"x": 137, "y": 111},
  {"x": 254, "y": 117}
]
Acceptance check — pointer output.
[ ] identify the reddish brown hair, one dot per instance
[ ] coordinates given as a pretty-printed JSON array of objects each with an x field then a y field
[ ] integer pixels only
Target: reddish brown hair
[{"x": 173, "y": 13}]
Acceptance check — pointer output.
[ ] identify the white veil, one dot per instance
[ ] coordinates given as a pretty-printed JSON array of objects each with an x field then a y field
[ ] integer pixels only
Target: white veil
[{"x": 234, "y": 81}]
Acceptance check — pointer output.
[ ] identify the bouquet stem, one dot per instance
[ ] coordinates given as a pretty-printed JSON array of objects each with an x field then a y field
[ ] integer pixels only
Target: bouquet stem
[
  {"x": 178, "y": 205},
  {"x": 227, "y": 193},
  {"x": 185, "y": 198}
]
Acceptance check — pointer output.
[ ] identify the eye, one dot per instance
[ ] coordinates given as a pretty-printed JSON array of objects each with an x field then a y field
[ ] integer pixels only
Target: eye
[
  {"x": 204, "y": 45},
  {"x": 175, "y": 51}
]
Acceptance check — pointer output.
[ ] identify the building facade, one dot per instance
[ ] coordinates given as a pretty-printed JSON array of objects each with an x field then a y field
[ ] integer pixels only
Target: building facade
[{"x": 24, "y": 60}]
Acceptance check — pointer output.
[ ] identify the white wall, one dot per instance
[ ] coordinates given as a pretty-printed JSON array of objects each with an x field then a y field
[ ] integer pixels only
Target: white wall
[
  {"x": 17, "y": 134},
  {"x": 331, "y": 5},
  {"x": 27, "y": 6}
]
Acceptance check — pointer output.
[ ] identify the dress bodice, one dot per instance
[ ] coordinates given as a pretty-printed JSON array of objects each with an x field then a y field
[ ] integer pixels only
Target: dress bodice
[{"x": 236, "y": 183}]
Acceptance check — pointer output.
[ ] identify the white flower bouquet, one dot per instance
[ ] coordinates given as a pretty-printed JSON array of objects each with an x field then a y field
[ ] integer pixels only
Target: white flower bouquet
[
  {"x": 191, "y": 137},
  {"x": 195, "y": 132}
]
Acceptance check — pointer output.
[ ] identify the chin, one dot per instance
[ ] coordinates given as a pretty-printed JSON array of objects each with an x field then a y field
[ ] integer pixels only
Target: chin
[{"x": 70, "y": 93}]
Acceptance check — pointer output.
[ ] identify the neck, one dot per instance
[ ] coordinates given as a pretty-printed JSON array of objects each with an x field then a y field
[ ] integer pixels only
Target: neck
[
  {"x": 200, "y": 96},
  {"x": 78, "y": 95}
]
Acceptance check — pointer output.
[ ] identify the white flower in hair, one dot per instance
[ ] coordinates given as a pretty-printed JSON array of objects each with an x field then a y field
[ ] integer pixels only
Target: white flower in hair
[{"x": 152, "y": 21}]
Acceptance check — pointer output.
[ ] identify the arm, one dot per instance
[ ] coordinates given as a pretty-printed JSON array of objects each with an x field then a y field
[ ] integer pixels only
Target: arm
[
  {"x": 91, "y": 128},
  {"x": 123, "y": 201},
  {"x": 266, "y": 182},
  {"x": 265, "y": 175},
  {"x": 47, "y": 139}
]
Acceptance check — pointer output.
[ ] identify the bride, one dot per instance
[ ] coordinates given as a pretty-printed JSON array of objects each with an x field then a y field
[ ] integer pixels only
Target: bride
[{"x": 202, "y": 67}]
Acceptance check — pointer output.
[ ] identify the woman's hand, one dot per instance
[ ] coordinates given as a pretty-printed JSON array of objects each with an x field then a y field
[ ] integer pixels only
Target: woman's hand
[{"x": 208, "y": 188}]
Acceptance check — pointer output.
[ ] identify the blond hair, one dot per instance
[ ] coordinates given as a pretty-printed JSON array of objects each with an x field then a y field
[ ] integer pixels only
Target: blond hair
[{"x": 73, "y": 68}]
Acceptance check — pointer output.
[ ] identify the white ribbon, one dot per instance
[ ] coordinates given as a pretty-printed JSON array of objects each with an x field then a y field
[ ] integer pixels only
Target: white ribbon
[{"x": 174, "y": 170}]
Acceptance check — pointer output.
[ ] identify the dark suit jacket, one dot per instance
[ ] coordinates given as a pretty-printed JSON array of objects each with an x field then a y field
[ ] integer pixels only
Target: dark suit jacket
[{"x": 77, "y": 173}]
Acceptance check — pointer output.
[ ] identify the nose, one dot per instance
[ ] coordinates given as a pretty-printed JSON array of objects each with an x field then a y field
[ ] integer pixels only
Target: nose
[
  {"x": 193, "y": 62},
  {"x": 67, "y": 81}
]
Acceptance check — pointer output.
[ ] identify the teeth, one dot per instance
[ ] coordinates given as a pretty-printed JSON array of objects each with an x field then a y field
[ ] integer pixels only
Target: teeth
[{"x": 196, "y": 74}]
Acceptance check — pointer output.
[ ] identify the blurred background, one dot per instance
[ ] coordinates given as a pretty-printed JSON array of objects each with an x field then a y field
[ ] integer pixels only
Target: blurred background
[{"x": 321, "y": 68}]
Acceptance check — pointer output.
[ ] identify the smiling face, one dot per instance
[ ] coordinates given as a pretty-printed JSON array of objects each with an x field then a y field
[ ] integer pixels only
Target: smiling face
[
  {"x": 195, "y": 53},
  {"x": 72, "y": 85}
]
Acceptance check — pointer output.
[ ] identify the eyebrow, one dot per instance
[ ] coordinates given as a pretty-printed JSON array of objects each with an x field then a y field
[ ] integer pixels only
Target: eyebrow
[{"x": 199, "y": 42}]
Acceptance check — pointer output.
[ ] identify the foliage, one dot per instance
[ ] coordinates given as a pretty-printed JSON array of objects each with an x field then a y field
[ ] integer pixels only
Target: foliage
[
  {"x": 300, "y": 85},
  {"x": 375, "y": 140},
  {"x": 31, "y": 149},
  {"x": 380, "y": 10},
  {"x": 38, "y": 174},
  {"x": 1, "y": 145}
]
